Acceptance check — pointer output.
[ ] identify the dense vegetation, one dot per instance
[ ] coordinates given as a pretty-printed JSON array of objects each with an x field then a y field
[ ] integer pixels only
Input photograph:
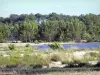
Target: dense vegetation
[
  {"x": 51, "y": 27},
  {"x": 19, "y": 57}
]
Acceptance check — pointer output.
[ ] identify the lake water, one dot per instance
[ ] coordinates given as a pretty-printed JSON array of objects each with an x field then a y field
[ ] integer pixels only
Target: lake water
[{"x": 74, "y": 46}]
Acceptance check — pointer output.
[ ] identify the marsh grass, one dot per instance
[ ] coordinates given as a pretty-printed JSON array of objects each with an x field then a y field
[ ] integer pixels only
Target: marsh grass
[{"x": 34, "y": 58}]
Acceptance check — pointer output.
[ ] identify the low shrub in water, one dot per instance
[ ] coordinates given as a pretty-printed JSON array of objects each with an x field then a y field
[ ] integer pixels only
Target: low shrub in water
[{"x": 56, "y": 45}]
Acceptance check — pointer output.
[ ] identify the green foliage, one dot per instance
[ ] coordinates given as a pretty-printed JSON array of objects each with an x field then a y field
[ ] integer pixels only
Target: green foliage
[
  {"x": 35, "y": 61},
  {"x": 94, "y": 54},
  {"x": 25, "y": 57},
  {"x": 4, "y": 32},
  {"x": 11, "y": 46},
  {"x": 27, "y": 45},
  {"x": 1, "y": 38},
  {"x": 4, "y": 60},
  {"x": 56, "y": 45},
  {"x": 28, "y": 30},
  {"x": 15, "y": 59},
  {"x": 52, "y": 27},
  {"x": 40, "y": 41},
  {"x": 36, "y": 42},
  {"x": 87, "y": 37},
  {"x": 48, "y": 30},
  {"x": 91, "y": 56}
]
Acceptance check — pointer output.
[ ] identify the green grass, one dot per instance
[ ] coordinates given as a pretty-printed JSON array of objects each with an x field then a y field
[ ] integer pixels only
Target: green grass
[{"x": 34, "y": 58}]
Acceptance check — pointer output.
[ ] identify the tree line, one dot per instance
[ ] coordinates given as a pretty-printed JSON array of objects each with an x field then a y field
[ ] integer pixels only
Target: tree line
[{"x": 51, "y": 27}]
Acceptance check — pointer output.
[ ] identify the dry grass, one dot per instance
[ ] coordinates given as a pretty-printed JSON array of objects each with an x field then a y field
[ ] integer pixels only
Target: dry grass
[{"x": 74, "y": 73}]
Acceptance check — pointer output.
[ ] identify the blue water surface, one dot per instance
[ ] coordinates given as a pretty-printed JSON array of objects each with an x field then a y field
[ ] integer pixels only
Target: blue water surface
[{"x": 68, "y": 46}]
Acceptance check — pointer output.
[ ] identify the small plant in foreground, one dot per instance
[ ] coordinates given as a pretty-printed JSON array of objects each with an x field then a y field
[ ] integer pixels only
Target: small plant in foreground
[{"x": 11, "y": 46}]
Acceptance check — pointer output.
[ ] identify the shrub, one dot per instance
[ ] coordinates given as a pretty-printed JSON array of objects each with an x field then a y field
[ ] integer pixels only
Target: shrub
[
  {"x": 91, "y": 56},
  {"x": 55, "y": 57},
  {"x": 94, "y": 54},
  {"x": 36, "y": 60},
  {"x": 67, "y": 62},
  {"x": 27, "y": 45},
  {"x": 11, "y": 46},
  {"x": 88, "y": 58},
  {"x": 36, "y": 42},
  {"x": 80, "y": 62},
  {"x": 40, "y": 41},
  {"x": 75, "y": 62},
  {"x": 15, "y": 58},
  {"x": 36, "y": 66},
  {"x": 56, "y": 45}
]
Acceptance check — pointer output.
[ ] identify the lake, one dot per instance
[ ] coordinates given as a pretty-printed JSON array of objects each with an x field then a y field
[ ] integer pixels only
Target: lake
[{"x": 72, "y": 46}]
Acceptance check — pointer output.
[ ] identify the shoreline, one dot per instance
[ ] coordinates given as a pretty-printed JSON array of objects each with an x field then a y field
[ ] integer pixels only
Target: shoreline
[{"x": 23, "y": 44}]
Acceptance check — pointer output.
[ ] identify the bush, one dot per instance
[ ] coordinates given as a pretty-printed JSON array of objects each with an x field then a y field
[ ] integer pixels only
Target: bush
[
  {"x": 94, "y": 54},
  {"x": 55, "y": 57},
  {"x": 67, "y": 62},
  {"x": 36, "y": 66},
  {"x": 56, "y": 45},
  {"x": 36, "y": 42},
  {"x": 11, "y": 46},
  {"x": 75, "y": 62},
  {"x": 79, "y": 63},
  {"x": 27, "y": 45},
  {"x": 40, "y": 41},
  {"x": 91, "y": 56}
]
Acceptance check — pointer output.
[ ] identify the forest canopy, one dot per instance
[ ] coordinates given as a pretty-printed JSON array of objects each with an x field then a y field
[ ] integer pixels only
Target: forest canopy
[{"x": 51, "y": 27}]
